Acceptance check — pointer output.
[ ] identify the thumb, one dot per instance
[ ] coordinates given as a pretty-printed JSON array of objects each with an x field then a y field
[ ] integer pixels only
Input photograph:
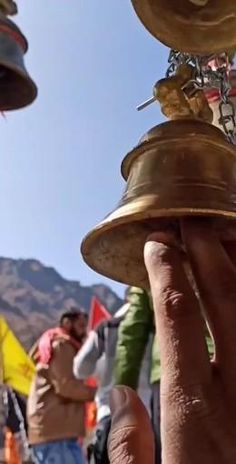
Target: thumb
[{"x": 131, "y": 438}]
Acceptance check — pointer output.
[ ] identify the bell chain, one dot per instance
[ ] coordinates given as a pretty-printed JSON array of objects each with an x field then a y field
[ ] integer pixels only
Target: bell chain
[{"x": 212, "y": 72}]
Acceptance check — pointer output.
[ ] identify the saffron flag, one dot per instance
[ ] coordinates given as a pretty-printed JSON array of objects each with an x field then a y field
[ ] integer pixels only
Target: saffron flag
[
  {"x": 98, "y": 313},
  {"x": 16, "y": 368}
]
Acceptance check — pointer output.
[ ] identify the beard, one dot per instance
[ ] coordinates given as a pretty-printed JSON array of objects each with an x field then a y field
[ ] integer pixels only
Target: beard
[{"x": 78, "y": 337}]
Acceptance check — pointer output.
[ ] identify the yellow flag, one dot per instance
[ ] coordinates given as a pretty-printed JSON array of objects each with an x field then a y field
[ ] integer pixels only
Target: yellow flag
[{"x": 17, "y": 369}]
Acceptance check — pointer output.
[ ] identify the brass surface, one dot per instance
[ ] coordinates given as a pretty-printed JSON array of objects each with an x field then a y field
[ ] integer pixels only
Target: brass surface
[
  {"x": 17, "y": 89},
  {"x": 185, "y": 26},
  {"x": 180, "y": 168},
  {"x": 171, "y": 92}
]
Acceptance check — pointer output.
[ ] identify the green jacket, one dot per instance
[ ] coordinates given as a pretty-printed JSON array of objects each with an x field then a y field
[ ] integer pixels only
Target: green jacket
[{"x": 133, "y": 336}]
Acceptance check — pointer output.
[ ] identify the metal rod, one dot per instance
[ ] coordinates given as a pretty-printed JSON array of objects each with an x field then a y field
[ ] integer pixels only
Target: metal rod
[{"x": 146, "y": 103}]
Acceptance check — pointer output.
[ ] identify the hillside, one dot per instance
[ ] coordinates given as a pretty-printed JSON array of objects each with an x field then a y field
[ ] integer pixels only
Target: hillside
[{"x": 32, "y": 297}]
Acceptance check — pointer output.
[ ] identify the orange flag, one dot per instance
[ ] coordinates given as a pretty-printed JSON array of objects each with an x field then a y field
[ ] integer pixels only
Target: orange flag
[{"x": 12, "y": 455}]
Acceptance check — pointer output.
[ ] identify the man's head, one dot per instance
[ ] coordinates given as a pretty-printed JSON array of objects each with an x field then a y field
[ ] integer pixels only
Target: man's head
[{"x": 75, "y": 323}]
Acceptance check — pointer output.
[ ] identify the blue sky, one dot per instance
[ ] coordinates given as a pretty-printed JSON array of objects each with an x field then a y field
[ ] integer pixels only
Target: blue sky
[{"x": 93, "y": 62}]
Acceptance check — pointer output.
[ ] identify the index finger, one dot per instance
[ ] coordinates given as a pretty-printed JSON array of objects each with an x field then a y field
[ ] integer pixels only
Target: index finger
[{"x": 179, "y": 324}]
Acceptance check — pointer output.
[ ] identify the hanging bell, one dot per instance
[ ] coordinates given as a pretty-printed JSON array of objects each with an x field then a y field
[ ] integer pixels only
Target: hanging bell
[
  {"x": 199, "y": 27},
  {"x": 228, "y": 110},
  {"x": 179, "y": 168},
  {"x": 17, "y": 89}
]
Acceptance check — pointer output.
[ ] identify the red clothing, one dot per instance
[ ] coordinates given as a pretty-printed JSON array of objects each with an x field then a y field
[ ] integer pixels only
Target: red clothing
[{"x": 45, "y": 343}]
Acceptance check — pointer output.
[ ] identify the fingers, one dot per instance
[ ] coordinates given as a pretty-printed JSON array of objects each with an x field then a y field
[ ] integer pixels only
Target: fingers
[
  {"x": 131, "y": 438},
  {"x": 216, "y": 280},
  {"x": 179, "y": 325}
]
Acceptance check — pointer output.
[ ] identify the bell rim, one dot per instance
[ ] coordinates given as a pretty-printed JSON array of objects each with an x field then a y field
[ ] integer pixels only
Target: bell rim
[
  {"x": 155, "y": 141},
  {"x": 24, "y": 74},
  {"x": 91, "y": 238},
  {"x": 203, "y": 28}
]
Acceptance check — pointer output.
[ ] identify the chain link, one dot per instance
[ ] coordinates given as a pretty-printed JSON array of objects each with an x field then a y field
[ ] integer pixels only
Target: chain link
[{"x": 211, "y": 72}]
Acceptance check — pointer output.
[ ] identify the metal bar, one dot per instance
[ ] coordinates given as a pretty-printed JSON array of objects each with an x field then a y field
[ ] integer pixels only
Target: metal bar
[{"x": 146, "y": 103}]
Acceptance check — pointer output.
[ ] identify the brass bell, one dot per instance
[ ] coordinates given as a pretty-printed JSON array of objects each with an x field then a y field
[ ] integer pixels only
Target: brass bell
[
  {"x": 179, "y": 168},
  {"x": 213, "y": 97},
  {"x": 193, "y": 26},
  {"x": 17, "y": 89}
]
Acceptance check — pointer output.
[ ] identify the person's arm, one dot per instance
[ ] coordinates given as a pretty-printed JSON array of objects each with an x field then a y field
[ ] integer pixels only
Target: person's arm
[
  {"x": 62, "y": 377},
  {"x": 86, "y": 360},
  {"x": 133, "y": 336}
]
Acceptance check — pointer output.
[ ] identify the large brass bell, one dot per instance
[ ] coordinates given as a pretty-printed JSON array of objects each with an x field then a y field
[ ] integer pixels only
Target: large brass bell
[
  {"x": 17, "y": 89},
  {"x": 192, "y": 26},
  {"x": 179, "y": 168}
]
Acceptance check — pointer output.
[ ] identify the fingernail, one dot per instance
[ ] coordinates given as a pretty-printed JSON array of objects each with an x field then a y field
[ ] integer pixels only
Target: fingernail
[{"x": 168, "y": 238}]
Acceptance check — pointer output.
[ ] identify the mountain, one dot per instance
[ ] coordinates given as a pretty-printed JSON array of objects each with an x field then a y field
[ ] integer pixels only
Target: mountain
[{"x": 33, "y": 296}]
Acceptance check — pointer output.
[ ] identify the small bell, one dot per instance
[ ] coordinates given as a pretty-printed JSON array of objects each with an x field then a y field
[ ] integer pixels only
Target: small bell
[
  {"x": 199, "y": 27},
  {"x": 179, "y": 168},
  {"x": 17, "y": 89}
]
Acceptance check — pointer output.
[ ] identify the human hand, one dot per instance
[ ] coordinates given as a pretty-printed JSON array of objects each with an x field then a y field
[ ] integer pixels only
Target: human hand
[
  {"x": 131, "y": 438},
  {"x": 198, "y": 397}
]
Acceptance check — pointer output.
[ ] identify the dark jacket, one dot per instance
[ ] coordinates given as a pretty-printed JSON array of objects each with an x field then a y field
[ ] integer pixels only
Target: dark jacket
[{"x": 13, "y": 416}]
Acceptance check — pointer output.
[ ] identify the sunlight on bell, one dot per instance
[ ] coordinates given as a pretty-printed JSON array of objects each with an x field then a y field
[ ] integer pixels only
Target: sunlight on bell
[{"x": 180, "y": 168}]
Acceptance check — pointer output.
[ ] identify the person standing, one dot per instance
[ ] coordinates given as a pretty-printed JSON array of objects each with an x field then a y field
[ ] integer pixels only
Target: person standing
[
  {"x": 55, "y": 409},
  {"x": 96, "y": 358}
]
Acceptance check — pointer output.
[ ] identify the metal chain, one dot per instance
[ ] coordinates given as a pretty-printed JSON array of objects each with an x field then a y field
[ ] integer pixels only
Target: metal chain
[
  {"x": 211, "y": 72},
  {"x": 226, "y": 108}
]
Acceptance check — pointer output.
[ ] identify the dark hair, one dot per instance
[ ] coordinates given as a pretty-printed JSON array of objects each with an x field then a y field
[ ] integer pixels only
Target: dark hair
[{"x": 72, "y": 315}]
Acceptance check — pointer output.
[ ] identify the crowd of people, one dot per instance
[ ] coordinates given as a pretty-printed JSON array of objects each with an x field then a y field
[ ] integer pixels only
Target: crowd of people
[
  {"x": 164, "y": 385},
  {"x": 66, "y": 357}
]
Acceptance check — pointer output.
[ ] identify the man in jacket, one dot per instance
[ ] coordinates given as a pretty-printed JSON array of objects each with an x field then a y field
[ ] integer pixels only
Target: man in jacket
[
  {"x": 56, "y": 401},
  {"x": 96, "y": 358},
  {"x": 135, "y": 332}
]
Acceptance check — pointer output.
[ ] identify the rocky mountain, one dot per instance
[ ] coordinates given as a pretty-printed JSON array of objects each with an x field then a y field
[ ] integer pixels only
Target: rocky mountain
[{"x": 32, "y": 297}]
